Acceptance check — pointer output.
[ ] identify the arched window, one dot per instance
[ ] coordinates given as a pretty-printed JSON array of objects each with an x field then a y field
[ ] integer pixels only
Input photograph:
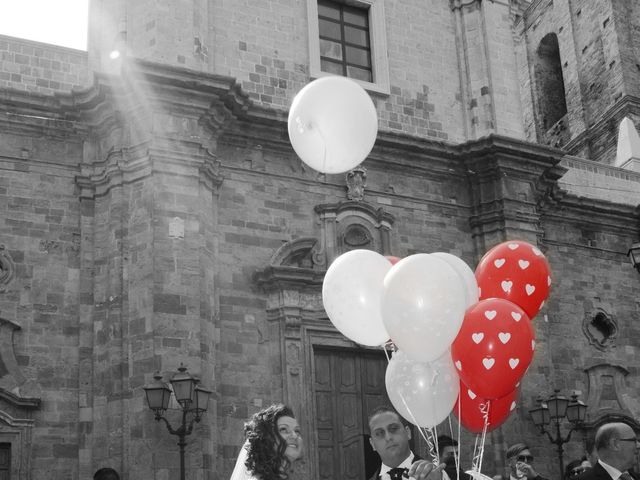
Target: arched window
[{"x": 552, "y": 105}]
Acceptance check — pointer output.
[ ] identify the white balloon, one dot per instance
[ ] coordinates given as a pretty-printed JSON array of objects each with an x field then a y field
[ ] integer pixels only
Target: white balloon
[
  {"x": 465, "y": 272},
  {"x": 332, "y": 124},
  {"x": 423, "y": 306},
  {"x": 351, "y": 293},
  {"x": 422, "y": 392}
]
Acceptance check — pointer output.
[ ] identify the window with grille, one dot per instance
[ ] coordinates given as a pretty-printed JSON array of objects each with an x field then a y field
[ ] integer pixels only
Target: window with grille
[
  {"x": 347, "y": 37},
  {"x": 345, "y": 48}
]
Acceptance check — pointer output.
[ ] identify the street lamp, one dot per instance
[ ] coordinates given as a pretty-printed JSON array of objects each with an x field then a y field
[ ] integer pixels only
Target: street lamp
[
  {"x": 634, "y": 256},
  {"x": 192, "y": 398},
  {"x": 555, "y": 409}
]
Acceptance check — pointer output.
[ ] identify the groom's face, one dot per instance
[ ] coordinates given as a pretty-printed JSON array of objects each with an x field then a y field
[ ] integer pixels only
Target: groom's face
[{"x": 390, "y": 438}]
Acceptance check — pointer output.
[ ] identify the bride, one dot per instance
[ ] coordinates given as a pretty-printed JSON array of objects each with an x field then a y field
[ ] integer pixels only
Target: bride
[{"x": 273, "y": 444}]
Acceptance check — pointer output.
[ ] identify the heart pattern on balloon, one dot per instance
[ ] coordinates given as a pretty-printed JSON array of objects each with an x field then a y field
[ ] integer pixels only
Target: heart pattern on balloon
[
  {"x": 493, "y": 356},
  {"x": 488, "y": 362},
  {"x": 477, "y": 337},
  {"x": 523, "y": 276}
]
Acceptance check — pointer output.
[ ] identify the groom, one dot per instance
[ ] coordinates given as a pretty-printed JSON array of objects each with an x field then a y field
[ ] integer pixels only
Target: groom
[{"x": 390, "y": 438}]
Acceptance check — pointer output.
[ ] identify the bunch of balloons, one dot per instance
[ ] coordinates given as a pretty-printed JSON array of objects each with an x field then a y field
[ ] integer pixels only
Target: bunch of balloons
[
  {"x": 464, "y": 340},
  {"x": 496, "y": 342}
]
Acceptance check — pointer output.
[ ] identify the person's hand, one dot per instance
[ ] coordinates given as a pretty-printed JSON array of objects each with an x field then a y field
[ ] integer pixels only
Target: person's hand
[
  {"x": 423, "y": 470},
  {"x": 528, "y": 470}
]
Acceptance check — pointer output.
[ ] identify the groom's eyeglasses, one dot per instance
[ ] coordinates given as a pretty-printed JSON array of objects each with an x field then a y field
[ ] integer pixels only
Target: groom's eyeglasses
[
  {"x": 634, "y": 439},
  {"x": 525, "y": 458}
]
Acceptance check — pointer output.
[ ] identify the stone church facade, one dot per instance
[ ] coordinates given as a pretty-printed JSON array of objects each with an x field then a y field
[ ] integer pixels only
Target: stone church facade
[{"x": 153, "y": 213}]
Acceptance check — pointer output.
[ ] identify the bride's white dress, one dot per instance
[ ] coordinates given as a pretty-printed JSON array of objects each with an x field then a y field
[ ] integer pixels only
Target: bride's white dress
[{"x": 240, "y": 471}]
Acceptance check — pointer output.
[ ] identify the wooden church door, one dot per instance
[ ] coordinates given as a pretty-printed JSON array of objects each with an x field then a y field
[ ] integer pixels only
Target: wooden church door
[{"x": 348, "y": 385}]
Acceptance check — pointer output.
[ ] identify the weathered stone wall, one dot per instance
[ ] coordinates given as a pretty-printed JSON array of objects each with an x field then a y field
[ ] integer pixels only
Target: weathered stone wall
[
  {"x": 39, "y": 227},
  {"x": 41, "y": 68}
]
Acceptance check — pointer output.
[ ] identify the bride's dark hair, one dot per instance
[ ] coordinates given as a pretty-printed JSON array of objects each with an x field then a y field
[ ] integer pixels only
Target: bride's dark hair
[{"x": 266, "y": 449}]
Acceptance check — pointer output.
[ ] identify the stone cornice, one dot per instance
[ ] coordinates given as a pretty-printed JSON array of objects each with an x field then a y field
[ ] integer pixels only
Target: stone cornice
[
  {"x": 495, "y": 152},
  {"x": 607, "y": 215}
]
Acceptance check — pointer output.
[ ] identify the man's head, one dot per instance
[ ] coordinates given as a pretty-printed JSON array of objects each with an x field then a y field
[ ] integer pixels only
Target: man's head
[
  {"x": 617, "y": 444},
  {"x": 106, "y": 474},
  {"x": 448, "y": 450},
  {"x": 518, "y": 452},
  {"x": 389, "y": 436}
]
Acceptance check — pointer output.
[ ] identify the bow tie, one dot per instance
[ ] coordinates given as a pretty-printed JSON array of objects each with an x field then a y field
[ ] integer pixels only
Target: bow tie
[{"x": 397, "y": 473}]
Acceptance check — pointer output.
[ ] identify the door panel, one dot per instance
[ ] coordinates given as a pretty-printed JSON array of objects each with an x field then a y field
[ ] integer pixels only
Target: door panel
[{"x": 348, "y": 384}]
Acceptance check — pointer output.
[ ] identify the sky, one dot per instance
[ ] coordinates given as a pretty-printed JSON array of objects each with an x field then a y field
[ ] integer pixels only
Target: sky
[{"x": 60, "y": 22}]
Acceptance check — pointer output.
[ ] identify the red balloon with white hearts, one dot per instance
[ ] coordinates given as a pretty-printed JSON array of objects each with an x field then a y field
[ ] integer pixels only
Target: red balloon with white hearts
[
  {"x": 494, "y": 347},
  {"x": 471, "y": 409},
  {"x": 516, "y": 271}
]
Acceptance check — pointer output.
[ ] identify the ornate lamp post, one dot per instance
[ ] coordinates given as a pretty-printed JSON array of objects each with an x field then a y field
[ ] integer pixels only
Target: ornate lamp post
[
  {"x": 192, "y": 398},
  {"x": 555, "y": 409},
  {"x": 634, "y": 256}
]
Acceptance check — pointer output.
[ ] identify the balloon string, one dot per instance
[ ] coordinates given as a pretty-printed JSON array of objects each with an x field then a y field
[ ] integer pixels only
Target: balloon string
[
  {"x": 479, "y": 448},
  {"x": 429, "y": 435},
  {"x": 456, "y": 451}
]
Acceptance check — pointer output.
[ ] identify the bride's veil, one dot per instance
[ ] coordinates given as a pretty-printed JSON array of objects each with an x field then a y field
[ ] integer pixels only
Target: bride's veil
[{"x": 240, "y": 471}]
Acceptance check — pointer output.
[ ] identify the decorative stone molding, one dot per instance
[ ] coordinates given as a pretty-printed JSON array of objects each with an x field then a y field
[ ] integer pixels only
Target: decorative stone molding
[
  {"x": 7, "y": 268},
  {"x": 16, "y": 427},
  {"x": 354, "y": 224},
  {"x": 601, "y": 329},
  {"x": 607, "y": 390},
  {"x": 356, "y": 183},
  {"x": 304, "y": 252}
]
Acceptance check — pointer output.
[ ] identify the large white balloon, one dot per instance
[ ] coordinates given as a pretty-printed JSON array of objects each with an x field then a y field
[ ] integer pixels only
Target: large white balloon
[
  {"x": 332, "y": 124},
  {"x": 423, "y": 305},
  {"x": 422, "y": 392},
  {"x": 351, "y": 294},
  {"x": 468, "y": 277}
]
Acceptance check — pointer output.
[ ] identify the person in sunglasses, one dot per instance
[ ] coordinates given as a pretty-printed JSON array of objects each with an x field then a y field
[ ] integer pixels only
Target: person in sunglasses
[
  {"x": 617, "y": 445},
  {"x": 519, "y": 461}
]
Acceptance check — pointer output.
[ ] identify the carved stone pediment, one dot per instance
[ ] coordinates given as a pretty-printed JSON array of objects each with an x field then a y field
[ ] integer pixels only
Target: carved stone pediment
[{"x": 607, "y": 393}]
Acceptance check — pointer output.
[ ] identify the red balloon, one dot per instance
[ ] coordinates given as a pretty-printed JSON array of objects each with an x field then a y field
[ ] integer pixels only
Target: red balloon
[
  {"x": 393, "y": 260},
  {"x": 494, "y": 347},
  {"x": 468, "y": 409},
  {"x": 516, "y": 271}
]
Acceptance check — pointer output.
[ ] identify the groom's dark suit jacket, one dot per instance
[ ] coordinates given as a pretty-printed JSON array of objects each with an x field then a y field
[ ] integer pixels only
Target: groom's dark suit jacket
[
  {"x": 377, "y": 474},
  {"x": 597, "y": 472}
]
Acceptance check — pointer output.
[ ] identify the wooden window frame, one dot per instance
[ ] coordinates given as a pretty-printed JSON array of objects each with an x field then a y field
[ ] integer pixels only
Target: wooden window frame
[{"x": 377, "y": 39}]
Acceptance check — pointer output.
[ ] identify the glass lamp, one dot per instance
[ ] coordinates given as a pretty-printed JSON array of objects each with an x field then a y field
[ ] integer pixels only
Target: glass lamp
[
  {"x": 540, "y": 415},
  {"x": 158, "y": 394},
  {"x": 634, "y": 256},
  {"x": 576, "y": 410},
  {"x": 183, "y": 385},
  {"x": 557, "y": 405}
]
